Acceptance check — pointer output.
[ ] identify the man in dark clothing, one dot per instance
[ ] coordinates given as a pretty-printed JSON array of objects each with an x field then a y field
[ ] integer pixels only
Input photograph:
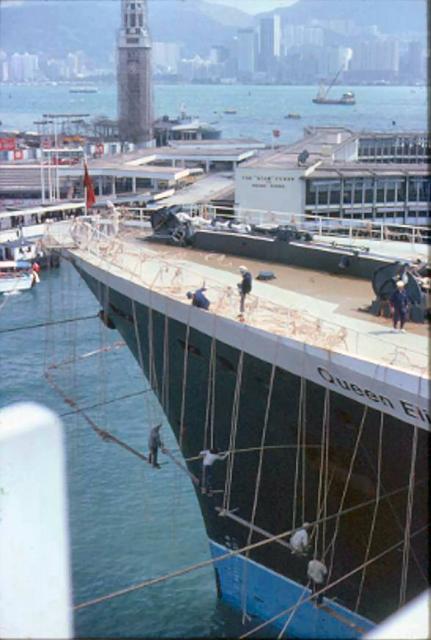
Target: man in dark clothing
[
  {"x": 154, "y": 442},
  {"x": 400, "y": 304},
  {"x": 244, "y": 287},
  {"x": 199, "y": 299}
]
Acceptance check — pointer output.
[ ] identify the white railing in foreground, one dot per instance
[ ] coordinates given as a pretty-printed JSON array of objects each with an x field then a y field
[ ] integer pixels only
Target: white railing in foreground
[{"x": 166, "y": 273}]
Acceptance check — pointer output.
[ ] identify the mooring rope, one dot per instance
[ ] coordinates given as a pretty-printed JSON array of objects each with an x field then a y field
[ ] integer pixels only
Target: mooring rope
[{"x": 39, "y": 325}]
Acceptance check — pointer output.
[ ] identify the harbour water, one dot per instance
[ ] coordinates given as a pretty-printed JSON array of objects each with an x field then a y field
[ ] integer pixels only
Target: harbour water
[
  {"x": 259, "y": 109},
  {"x": 128, "y": 522}
]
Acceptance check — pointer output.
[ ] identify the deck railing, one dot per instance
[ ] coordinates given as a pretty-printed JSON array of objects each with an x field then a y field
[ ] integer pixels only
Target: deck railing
[{"x": 167, "y": 273}]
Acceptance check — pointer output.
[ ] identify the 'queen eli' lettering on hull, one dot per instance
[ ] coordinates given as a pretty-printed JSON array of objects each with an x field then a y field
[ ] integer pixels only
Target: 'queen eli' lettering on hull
[{"x": 408, "y": 408}]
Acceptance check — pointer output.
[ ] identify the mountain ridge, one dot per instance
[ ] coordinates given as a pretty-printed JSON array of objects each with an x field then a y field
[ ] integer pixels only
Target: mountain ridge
[{"x": 91, "y": 25}]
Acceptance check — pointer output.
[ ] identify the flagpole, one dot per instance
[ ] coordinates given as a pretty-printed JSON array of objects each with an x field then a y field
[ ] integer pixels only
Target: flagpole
[{"x": 85, "y": 187}]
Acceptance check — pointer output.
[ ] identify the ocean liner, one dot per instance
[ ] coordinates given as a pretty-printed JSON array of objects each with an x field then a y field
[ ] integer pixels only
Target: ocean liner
[{"x": 324, "y": 414}]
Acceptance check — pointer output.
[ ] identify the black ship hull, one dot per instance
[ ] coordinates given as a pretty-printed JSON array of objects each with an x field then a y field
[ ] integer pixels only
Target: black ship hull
[{"x": 214, "y": 392}]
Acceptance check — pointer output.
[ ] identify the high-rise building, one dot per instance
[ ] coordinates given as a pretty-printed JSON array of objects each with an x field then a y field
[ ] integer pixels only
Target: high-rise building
[
  {"x": 246, "y": 52},
  {"x": 166, "y": 56},
  {"x": 269, "y": 41},
  {"x": 134, "y": 74}
]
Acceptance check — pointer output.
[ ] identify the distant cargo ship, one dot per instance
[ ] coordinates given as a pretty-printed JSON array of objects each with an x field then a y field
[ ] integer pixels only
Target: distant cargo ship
[
  {"x": 84, "y": 90},
  {"x": 347, "y": 98}
]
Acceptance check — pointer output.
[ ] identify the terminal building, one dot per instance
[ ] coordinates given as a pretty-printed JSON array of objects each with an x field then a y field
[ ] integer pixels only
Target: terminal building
[{"x": 333, "y": 171}]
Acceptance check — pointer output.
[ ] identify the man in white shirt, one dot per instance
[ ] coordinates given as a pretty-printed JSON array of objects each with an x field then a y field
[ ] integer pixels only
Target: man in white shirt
[
  {"x": 317, "y": 571},
  {"x": 299, "y": 540},
  {"x": 209, "y": 457}
]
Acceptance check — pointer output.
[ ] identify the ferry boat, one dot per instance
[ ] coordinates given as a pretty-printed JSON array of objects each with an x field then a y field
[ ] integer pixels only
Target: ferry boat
[{"x": 324, "y": 413}]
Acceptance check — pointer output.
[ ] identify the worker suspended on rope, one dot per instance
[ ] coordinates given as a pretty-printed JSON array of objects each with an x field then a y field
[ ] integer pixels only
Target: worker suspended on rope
[
  {"x": 317, "y": 571},
  {"x": 154, "y": 443},
  {"x": 299, "y": 540},
  {"x": 209, "y": 457}
]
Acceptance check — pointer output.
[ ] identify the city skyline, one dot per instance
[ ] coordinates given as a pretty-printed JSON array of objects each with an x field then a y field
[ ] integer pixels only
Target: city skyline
[{"x": 283, "y": 46}]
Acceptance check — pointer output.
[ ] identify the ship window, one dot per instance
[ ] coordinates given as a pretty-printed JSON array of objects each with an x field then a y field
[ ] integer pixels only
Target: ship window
[
  {"x": 225, "y": 363},
  {"x": 120, "y": 313},
  {"x": 190, "y": 348}
]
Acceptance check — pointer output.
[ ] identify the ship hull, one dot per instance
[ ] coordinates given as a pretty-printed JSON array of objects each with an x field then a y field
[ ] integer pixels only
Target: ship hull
[{"x": 190, "y": 370}]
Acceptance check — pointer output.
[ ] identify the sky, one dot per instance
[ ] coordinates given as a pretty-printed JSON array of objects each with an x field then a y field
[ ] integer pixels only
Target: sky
[{"x": 254, "y": 6}]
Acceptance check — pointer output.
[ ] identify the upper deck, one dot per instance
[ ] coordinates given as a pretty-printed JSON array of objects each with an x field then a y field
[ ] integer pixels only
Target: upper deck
[{"x": 314, "y": 308}]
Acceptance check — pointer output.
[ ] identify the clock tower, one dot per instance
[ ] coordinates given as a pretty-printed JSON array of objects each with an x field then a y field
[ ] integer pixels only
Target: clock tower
[{"x": 134, "y": 74}]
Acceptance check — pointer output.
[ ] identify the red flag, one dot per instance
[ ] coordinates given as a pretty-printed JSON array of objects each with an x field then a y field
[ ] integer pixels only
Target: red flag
[{"x": 88, "y": 184}]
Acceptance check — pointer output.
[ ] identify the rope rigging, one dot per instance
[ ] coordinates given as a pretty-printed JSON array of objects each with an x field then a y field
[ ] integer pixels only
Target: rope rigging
[
  {"x": 331, "y": 545},
  {"x": 332, "y": 584},
  {"x": 184, "y": 383},
  {"x": 299, "y": 429},
  {"x": 409, "y": 513},
  {"x": 259, "y": 473},
  {"x": 226, "y": 556},
  {"x": 376, "y": 507},
  {"x": 39, "y": 325},
  {"x": 233, "y": 432}
]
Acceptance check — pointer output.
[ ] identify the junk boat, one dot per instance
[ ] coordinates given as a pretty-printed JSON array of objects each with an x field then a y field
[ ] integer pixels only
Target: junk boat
[
  {"x": 324, "y": 413},
  {"x": 17, "y": 276}
]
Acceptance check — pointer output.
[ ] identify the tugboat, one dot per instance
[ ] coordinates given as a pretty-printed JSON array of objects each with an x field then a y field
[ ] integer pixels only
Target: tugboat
[{"x": 347, "y": 98}]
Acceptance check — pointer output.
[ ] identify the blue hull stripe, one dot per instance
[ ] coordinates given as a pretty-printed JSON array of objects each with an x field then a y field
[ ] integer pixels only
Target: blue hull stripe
[{"x": 268, "y": 593}]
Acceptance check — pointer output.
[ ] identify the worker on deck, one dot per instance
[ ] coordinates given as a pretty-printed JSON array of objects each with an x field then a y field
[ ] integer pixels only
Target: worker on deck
[
  {"x": 209, "y": 457},
  {"x": 299, "y": 540},
  {"x": 199, "y": 298},
  {"x": 316, "y": 572},
  {"x": 400, "y": 305},
  {"x": 154, "y": 443},
  {"x": 244, "y": 287}
]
